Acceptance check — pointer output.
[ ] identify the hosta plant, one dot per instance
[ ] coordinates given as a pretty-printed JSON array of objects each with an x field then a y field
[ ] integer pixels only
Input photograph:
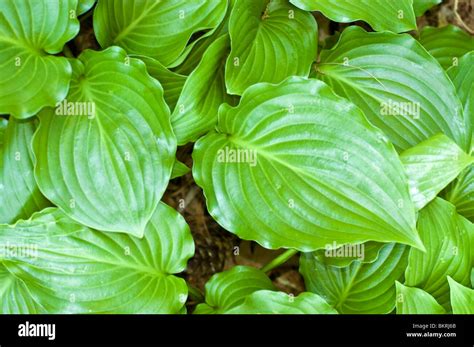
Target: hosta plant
[{"x": 347, "y": 150}]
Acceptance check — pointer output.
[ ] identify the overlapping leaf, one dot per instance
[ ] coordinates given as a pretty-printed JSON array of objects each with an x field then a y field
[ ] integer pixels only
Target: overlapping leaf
[
  {"x": 19, "y": 193},
  {"x": 30, "y": 30},
  {"x": 229, "y": 289},
  {"x": 271, "y": 168},
  {"x": 342, "y": 256},
  {"x": 431, "y": 166},
  {"x": 270, "y": 40},
  {"x": 397, "y": 16},
  {"x": 416, "y": 301},
  {"x": 270, "y": 302},
  {"x": 84, "y": 5},
  {"x": 204, "y": 91},
  {"x": 447, "y": 44},
  {"x": 108, "y": 163},
  {"x": 448, "y": 251},
  {"x": 157, "y": 29},
  {"x": 421, "y": 6},
  {"x": 53, "y": 265},
  {"x": 462, "y": 298},
  {"x": 398, "y": 85},
  {"x": 359, "y": 287}
]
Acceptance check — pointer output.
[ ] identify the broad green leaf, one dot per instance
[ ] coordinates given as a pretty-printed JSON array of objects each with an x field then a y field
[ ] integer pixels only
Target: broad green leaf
[
  {"x": 270, "y": 40},
  {"x": 108, "y": 164},
  {"x": 462, "y": 76},
  {"x": 382, "y": 15},
  {"x": 179, "y": 169},
  {"x": 431, "y": 166},
  {"x": 229, "y": 289},
  {"x": 204, "y": 91},
  {"x": 84, "y": 5},
  {"x": 54, "y": 265},
  {"x": 421, "y": 6},
  {"x": 343, "y": 256},
  {"x": 30, "y": 30},
  {"x": 445, "y": 235},
  {"x": 416, "y": 301},
  {"x": 171, "y": 82},
  {"x": 270, "y": 302},
  {"x": 462, "y": 298},
  {"x": 461, "y": 193},
  {"x": 399, "y": 86},
  {"x": 359, "y": 287},
  {"x": 157, "y": 29},
  {"x": 295, "y": 166},
  {"x": 472, "y": 277},
  {"x": 19, "y": 193},
  {"x": 447, "y": 44}
]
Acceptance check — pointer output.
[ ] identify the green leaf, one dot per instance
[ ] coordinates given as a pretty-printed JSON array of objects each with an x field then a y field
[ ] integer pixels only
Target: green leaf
[
  {"x": 421, "y": 6},
  {"x": 19, "y": 193},
  {"x": 270, "y": 302},
  {"x": 359, "y": 287},
  {"x": 462, "y": 76},
  {"x": 203, "y": 93},
  {"x": 107, "y": 163},
  {"x": 171, "y": 82},
  {"x": 472, "y": 277},
  {"x": 271, "y": 40},
  {"x": 30, "y": 30},
  {"x": 461, "y": 193},
  {"x": 416, "y": 301},
  {"x": 382, "y": 15},
  {"x": 270, "y": 171},
  {"x": 462, "y": 298},
  {"x": 84, "y": 5},
  {"x": 446, "y": 237},
  {"x": 179, "y": 169},
  {"x": 431, "y": 166},
  {"x": 447, "y": 44},
  {"x": 229, "y": 289},
  {"x": 409, "y": 104},
  {"x": 345, "y": 255},
  {"x": 54, "y": 265},
  {"x": 157, "y": 29}
]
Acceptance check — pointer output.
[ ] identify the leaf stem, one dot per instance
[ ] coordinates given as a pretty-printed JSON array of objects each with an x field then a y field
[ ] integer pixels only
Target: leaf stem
[
  {"x": 67, "y": 51},
  {"x": 195, "y": 294},
  {"x": 281, "y": 259}
]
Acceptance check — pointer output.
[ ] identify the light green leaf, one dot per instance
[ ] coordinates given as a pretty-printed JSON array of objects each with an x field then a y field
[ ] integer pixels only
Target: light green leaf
[
  {"x": 461, "y": 193},
  {"x": 171, "y": 82},
  {"x": 342, "y": 256},
  {"x": 157, "y": 29},
  {"x": 204, "y": 91},
  {"x": 270, "y": 40},
  {"x": 84, "y": 5},
  {"x": 229, "y": 289},
  {"x": 19, "y": 193},
  {"x": 462, "y": 76},
  {"x": 54, "y": 265},
  {"x": 398, "y": 85},
  {"x": 359, "y": 287},
  {"x": 270, "y": 171},
  {"x": 270, "y": 302},
  {"x": 448, "y": 251},
  {"x": 431, "y": 166},
  {"x": 472, "y": 277},
  {"x": 108, "y": 164},
  {"x": 30, "y": 30},
  {"x": 416, "y": 301},
  {"x": 447, "y": 44},
  {"x": 179, "y": 169},
  {"x": 421, "y": 6},
  {"x": 462, "y": 298},
  {"x": 382, "y": 15}
]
